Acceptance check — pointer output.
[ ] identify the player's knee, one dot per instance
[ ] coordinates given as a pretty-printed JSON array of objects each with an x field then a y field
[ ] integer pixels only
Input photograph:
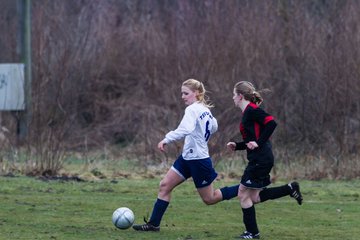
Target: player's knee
[
  {"x": 243, "y": 198},
  {"x": 163, "y": 186},
  {"x": 246, "y": 203},
  {"x": 242, "y": 195},
  {"x": 255, "y": 199},
  {"x": 208, "y": 200}
]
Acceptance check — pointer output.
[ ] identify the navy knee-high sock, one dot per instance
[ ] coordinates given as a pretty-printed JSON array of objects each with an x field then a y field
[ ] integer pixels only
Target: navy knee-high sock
[
  {"x": 229, "y": 192},
  {"x": 159, "y": 209},
  {"x": 249, "y": 218},
  {"x": 274, "y": 193}
]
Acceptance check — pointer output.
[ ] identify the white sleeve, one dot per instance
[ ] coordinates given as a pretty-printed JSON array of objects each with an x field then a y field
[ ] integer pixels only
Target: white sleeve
[
  {"x": 214, "y": 126},
  {"x": 186, "y": 126}
]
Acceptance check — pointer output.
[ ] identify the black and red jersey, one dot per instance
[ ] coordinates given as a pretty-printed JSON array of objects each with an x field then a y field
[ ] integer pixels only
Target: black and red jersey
[{"x": 256, "y": 125}]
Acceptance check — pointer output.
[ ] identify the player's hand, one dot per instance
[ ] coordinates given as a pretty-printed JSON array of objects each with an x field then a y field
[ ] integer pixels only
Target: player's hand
[
  {"x": 231, "y": 146},
  {"x": 161, "y": 146},
  {"x": 252, "y": 145}
]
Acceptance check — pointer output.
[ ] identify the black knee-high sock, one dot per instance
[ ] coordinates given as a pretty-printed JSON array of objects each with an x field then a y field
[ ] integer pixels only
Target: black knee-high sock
[
  {"x": 249, "y": 218},
  {"x": 274, "y": 193},
  {"x": 160, "y": 207},
  {"x": 229, "y": 192}
]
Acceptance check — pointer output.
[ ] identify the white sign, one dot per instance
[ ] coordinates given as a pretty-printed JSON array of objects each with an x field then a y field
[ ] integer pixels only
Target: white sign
[{"x": 12, "y": 86}]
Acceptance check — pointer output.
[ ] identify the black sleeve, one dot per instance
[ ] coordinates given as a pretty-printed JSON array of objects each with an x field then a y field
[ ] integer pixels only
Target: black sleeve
[
  {"x": 240, "y": 146},
  {"x": 266, "y": 132}
]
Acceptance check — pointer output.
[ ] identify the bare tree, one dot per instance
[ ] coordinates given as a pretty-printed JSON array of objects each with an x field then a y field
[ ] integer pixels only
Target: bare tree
[{"x": 108, "y": 73}]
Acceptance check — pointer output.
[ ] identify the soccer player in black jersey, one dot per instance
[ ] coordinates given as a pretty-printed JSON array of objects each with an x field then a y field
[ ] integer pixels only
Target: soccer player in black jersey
[{"x": 256, "y": 127}]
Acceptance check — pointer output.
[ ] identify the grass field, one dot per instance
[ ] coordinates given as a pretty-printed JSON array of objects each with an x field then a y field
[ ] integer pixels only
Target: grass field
[{"x": 36, "y": 209}]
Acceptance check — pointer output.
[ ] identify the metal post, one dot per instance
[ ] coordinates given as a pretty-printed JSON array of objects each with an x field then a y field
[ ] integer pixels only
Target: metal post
[{"x": 25, "y": 15}]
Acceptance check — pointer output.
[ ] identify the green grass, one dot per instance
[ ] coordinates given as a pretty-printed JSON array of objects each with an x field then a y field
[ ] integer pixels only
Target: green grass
[{"x": 35, "y": 209}]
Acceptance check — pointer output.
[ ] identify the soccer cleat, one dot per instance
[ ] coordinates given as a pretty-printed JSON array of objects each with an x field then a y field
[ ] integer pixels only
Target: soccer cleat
[
  {"x": 249, "y": 235},
  {"x": 147, "y": 227},
  {"x": 295, "y": 192}
]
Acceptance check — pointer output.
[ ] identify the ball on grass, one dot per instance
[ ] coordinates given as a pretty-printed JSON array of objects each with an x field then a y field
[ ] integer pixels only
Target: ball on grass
[{"x": 123, "y": 218}]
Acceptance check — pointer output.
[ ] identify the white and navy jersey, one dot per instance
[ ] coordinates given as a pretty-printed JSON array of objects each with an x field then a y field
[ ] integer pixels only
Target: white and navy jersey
[{"x": 196, "y": 127}]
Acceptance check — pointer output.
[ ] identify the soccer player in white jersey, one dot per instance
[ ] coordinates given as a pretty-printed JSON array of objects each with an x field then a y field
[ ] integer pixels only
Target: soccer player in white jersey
[{"x": 196, "y": 126}]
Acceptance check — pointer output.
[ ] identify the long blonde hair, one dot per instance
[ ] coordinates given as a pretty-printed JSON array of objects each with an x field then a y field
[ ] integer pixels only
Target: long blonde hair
[{"x": 195, "y": 85}]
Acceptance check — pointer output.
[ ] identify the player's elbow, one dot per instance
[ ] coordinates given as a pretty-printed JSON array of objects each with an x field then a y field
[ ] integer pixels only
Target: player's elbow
[{"x": 273, "y": 124}]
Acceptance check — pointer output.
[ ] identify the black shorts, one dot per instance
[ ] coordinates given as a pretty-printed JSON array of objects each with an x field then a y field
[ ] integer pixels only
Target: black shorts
[
  {"x": 257, "y": 175},
  {"x": 201, "y": 170}
]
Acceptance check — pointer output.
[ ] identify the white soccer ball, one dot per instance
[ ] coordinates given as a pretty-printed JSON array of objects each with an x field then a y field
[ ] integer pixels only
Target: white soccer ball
[{"x": 123, "y": 218}]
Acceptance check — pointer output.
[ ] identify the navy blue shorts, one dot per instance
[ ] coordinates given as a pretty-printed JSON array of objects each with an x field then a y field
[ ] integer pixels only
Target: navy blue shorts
[
  {"x": 201, "y": 170},
  {"x": 257, "y": 175}
]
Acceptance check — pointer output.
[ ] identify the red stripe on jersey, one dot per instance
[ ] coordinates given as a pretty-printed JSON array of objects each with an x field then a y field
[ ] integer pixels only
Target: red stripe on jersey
[
  {"x": 268, "y": 119},
  {"x": 253, "y": 105}
]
